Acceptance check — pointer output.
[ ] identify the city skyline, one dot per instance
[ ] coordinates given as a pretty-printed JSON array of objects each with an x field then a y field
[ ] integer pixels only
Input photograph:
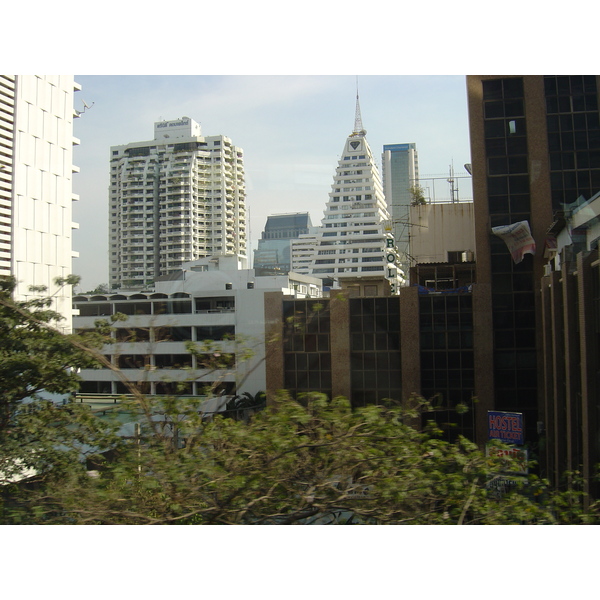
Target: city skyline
[
  {"x": 291, "y": 129},
  {"x": 464, "y": 41}
]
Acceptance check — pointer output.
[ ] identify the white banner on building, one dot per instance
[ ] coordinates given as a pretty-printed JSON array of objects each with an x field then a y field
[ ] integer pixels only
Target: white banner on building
[{"x": 518, "y": 239}]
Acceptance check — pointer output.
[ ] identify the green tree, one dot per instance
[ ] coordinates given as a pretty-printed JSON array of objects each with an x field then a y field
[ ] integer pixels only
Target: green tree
[
  {"x": 34, "y": 356},
  {"x": 317, "y": 462},
  {"x": 37, "y": 436},
  {"x": 417, "y": 193},
  {"x": 101, "y": 288}
]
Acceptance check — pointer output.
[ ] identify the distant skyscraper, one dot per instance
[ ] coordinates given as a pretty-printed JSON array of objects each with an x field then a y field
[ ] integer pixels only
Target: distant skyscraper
[
  {"x": 174, "y": 199},
  {"x": 400, "y": 165},
  {"x": 355, "y": 237},
  {"x": 274, "y": 248},
  {"x": 36, "y": 170}
]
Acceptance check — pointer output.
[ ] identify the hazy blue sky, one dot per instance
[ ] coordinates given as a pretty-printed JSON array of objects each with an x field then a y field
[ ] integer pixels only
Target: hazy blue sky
[{"x": 292, "y": 130}]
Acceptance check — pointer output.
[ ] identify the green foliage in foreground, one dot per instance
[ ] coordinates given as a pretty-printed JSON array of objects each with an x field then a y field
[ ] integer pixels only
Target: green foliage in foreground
[
  {"x": 316, "y": 463},
  {"x": 33, "y": 355}
]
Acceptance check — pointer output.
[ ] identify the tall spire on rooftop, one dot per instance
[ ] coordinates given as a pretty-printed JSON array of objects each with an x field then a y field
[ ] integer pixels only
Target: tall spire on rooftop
[{"x": 358, "y": 126}]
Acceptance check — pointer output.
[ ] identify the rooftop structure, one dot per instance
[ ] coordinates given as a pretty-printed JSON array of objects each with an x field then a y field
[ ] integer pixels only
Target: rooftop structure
[{"x": 442, "y": 232}]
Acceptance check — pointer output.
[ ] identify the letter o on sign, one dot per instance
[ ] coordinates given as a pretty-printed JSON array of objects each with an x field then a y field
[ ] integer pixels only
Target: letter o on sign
[{"x": 391, "y": 258}]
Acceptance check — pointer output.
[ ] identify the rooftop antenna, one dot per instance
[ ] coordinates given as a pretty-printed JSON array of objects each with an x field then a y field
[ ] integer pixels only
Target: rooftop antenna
[
  {"x": 453, "y": 188},
  {"x": 358, "y": 126},
  {"x": 78, "y": 113}
]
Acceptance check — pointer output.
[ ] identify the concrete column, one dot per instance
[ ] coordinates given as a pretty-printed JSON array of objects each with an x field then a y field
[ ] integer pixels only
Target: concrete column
[
  {"x": 546, "y": 413},
  {"x": 341, "y": 381},
  {"x": 274, "y": 345},
  {"x": 483, "y": 351},
  {"x": 589, "y": 365},
  {"x": 410, "y": 339},
  {"x": 572, "y": 368}
]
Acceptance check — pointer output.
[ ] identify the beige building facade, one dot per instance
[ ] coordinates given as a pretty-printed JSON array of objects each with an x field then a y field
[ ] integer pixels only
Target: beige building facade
[{"x": 442, "y": 232}]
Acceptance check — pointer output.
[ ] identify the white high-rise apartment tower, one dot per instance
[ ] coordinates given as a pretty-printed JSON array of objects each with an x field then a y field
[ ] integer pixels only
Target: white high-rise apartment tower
[
  {"x": 36, "y": 193},
  {"x": 355, "y": 238},
  {"x": 174, "y": 199}
]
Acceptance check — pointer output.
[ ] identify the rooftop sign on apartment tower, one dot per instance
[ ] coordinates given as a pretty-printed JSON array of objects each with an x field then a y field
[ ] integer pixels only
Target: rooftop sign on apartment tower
[{"x": 184, "y": 127}]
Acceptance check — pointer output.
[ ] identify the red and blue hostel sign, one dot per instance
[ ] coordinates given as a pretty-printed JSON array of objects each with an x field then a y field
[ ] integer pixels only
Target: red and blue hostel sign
[{"x": 506, "y": 427}]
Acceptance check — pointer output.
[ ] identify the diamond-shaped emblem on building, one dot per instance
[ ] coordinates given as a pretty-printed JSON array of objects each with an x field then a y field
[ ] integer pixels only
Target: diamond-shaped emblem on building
[{"x": 355, "y": 145}]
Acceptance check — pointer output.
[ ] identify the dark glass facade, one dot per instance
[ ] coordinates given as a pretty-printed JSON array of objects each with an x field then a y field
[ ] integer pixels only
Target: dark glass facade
[
  {"x": 447, "y": 359},
  {"x": 513, "y": 301},
  {"x": 371, "y": 351},
  {"x": 375, "y": 349},
  {"x": 306, "y": 346},
  {"x": 573, "y": 137},
  {"x": 568, "y": 107}
]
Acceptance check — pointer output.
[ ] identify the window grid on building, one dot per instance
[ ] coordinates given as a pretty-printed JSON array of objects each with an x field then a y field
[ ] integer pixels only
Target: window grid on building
[
  {"x": 513, "y": 300},
  {"x": 307, "y": 353},
  {"x": 447, "y": 359},
  {"x": 573, "y": 137},
  {"x": 375, "y": 350}
]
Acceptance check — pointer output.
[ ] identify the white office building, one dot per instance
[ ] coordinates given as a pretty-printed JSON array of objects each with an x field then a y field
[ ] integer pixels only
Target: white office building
[
  {"x": 400, "y": 168},
  {"x": 355, "y": 237},
  {"x": 302, "y": 251},
  {"x": 214, "y": 303},
  {"x": 174, "y": 199},
  {"x": 36, "y": 193}
]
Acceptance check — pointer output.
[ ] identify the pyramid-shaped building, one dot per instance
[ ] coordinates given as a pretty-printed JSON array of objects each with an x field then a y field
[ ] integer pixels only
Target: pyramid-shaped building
[{"x": 355, "y": 237}]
